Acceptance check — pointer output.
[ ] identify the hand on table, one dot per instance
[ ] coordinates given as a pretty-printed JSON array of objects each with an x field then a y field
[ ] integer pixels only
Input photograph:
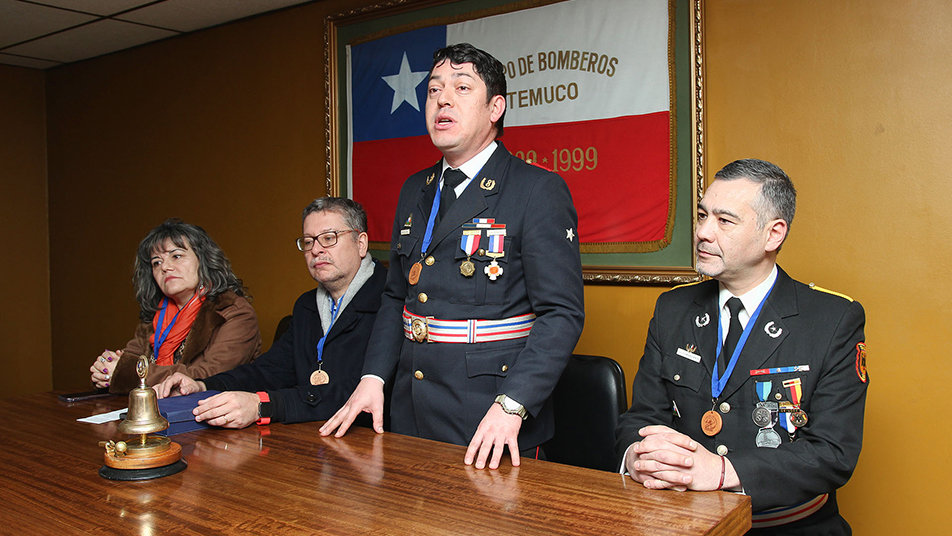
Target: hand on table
[
  {"x": 367, "y": 397},
  {"x": 497, "y": 430},
  {"x": 178, "y": 384},
  {"x": 231, "y": 409}
]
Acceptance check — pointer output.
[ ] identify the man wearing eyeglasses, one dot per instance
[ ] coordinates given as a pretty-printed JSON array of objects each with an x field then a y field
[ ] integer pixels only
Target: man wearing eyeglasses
[{"x": 313, "y": 368}]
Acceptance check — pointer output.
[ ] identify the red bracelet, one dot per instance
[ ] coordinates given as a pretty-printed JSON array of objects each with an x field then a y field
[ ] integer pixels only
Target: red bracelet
[{"x": 720, "y": 484}]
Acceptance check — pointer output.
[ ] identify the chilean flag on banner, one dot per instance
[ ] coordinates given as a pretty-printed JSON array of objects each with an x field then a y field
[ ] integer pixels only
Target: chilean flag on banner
[{"x": 589, "y": 98}]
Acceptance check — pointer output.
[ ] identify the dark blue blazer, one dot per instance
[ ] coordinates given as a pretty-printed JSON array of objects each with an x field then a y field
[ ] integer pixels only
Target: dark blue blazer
[
  {"x": 798, "y": 325},
  {"x": 285, "y": 370},
  {"x": 442, "y": 391}
]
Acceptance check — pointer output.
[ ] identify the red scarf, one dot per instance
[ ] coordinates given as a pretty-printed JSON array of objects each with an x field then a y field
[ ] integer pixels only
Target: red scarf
[{"x": 181, "y": 324}]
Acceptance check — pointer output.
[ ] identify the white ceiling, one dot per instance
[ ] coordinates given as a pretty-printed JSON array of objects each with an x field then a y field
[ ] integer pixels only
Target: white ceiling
[{"x": 45, "y": 33}]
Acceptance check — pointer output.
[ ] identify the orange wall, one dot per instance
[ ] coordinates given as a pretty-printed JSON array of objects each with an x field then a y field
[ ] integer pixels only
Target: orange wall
[
  {"x": 224, "y": 128},
  {"x": 852, "y": 99},
  {"x": 25, "y": 269}
]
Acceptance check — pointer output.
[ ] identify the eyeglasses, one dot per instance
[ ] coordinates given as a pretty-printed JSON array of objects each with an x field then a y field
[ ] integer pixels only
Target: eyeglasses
[{"x": 326, "y": 240}]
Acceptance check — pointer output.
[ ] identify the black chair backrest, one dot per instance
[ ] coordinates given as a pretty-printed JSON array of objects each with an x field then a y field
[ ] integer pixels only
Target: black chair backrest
[
  {"x": 588, "y": 399},
  {"x": 283, "y": 326}
]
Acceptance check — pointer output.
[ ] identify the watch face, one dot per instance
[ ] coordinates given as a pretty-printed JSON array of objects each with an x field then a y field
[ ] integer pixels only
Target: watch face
[
  {"x": 510, "y": 405},
  {"x": 266, "y": 410}
]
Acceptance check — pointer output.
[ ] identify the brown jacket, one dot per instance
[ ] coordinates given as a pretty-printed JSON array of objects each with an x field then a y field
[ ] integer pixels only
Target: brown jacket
[{"x": 224, "y": 335}]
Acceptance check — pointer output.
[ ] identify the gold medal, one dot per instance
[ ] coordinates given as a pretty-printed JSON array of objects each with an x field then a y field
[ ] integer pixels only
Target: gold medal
[
  {"x": 319, "y": 377},
  {"x": 415, "y": 273},
  {"x": 798, "y": 418},
  {"x": 467, "y": 268},
  {"x": 711, "y": 423}
]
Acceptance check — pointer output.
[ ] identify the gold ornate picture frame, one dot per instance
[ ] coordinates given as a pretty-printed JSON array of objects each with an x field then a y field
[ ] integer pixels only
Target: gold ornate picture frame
[{"x": 673, "y": 262}]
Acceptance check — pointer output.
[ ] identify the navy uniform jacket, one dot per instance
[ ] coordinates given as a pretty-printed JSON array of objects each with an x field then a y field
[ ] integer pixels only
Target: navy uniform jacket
[
  {"x": 442, "y": 391},
  {"x": 810, "y": 327},
  {"x": 285, "y": 370}
]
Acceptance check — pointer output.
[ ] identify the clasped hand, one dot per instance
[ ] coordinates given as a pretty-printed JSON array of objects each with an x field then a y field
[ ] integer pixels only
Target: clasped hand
[
  {"x": 668, "y": 459},
  {"x": 103, "y": 368}
]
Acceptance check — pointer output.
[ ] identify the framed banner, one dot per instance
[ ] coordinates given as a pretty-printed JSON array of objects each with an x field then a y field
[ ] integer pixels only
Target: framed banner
[{"x": 607, "y": 93}]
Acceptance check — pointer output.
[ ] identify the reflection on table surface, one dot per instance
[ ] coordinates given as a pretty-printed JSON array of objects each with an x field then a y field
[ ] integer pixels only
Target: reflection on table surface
[{"x": 286, "y": 479}]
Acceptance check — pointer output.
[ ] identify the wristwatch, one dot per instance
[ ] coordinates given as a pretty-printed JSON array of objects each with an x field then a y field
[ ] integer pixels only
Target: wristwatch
[
  {"x": 512, "y": 407},
  {"x": 265, "y": 409}
]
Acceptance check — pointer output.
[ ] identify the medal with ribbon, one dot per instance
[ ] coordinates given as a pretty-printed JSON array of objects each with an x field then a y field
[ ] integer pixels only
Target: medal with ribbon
[
  {"x": 798, "y": 417},
  {"x": 469, "y": 243},
  {"x": 761, "y": 414},
  {"x": 497, "y": 240},
  {"x": 766, "y": 415},
  {"x": 711, "y": 421},
  {"x": 413, "y": 277},
  {"x": 319, "y": 376}
]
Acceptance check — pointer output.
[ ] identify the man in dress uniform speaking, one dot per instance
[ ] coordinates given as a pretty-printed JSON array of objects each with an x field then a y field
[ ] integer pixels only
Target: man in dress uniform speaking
[
  {"x": 484, "y": 298},
  {"x": 750, "y": 382}
]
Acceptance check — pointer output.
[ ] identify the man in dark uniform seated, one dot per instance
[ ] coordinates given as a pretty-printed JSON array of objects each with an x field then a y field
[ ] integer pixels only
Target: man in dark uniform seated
[
  {"x": 311, "y": 370},
  {"x": 484, "y": 299},
  {"x": 750, "y": 382}
]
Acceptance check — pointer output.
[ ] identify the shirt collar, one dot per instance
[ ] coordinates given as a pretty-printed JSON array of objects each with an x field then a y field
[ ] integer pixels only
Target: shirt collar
[
  {"x": 752, "y": 298},
  {"x": 473, "y": 166}
]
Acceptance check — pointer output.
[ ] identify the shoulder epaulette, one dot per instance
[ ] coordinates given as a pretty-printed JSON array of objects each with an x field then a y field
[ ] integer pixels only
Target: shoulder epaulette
[
  {"x": 687, "y": 284},
  {"x": 828, "y": 291}
]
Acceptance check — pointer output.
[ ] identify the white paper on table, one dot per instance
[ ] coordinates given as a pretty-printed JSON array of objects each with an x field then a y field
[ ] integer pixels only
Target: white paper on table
[{"x": 104, "y": 417}]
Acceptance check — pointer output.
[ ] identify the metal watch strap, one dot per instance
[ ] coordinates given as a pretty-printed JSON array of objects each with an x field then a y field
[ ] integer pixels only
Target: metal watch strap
[{"x": 520, "y": 410}]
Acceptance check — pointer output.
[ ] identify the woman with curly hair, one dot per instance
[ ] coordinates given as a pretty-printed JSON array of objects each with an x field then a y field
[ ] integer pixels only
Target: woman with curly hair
[{"x": 195, "y": 314}]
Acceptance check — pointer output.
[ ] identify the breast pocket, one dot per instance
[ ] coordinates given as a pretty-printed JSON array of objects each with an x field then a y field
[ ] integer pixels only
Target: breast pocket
[
  {"x": 680, "y": 373},
  {"x": 404, "y": 249},
  {"x": 794, "y": 388},
  {"x": 492, "y": 281}
]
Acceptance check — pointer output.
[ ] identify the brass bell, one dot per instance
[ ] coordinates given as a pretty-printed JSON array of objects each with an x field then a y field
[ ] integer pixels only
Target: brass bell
[
  {"x": 143, "y": 416},
  {"x": 148, "y": 456}
]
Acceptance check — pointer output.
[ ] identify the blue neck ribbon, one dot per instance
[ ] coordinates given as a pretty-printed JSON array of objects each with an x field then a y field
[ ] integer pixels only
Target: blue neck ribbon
[
  {"x": 162, "y": 334},
  {"x": 718, "y": 383},
  {"x": 335, "y": 308},
  {"x": 434, "y": 210}
]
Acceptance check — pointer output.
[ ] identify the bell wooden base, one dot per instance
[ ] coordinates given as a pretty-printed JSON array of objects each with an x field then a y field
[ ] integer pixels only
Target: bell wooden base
[{"x": 157, "y": 452}]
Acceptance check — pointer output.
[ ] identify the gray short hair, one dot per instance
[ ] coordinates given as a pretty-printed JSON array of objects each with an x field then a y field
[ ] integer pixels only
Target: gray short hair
[
  {"x": 354, "y": 215},
  {"x": 778, "y": 197},
  {"x": 214, "y": 268}
]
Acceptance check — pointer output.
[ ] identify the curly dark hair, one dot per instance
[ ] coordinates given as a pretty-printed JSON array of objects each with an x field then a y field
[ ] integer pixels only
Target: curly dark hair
[{"x": 214, "y": 268}]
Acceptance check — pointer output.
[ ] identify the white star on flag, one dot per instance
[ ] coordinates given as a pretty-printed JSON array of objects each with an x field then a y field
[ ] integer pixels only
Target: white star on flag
[{"x": 404, "y": 85}]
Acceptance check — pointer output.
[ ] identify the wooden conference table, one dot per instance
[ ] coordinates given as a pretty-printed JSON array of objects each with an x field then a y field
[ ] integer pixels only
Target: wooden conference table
[{"x": 286, "y": 479}]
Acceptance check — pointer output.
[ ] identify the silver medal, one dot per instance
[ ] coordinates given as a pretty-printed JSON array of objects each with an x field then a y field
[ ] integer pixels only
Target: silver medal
[
  {"x": 761, "y": 415},
  {"x": 768, "y": 438}
]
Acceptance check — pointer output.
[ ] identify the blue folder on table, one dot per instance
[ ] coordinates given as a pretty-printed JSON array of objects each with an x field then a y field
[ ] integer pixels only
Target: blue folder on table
[{"x": 178, "y": 411}]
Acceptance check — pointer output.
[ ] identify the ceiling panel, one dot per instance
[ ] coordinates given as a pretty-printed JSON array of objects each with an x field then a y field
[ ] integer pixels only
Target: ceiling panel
[
  {"x": 20, "y": 21},
  {"x": 26, "y": 62},
  {"x": 45, "y": 33},
  {"x": 189, "y": 15},
  {"x": 96, "y": 7},
  {"x": 90, "y": 40}
]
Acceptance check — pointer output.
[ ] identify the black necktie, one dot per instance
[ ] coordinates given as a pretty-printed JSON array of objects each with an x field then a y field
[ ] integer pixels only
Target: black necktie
[
  {"x": 733, "y": 335},
  {"x": 451, "y": 179}
]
